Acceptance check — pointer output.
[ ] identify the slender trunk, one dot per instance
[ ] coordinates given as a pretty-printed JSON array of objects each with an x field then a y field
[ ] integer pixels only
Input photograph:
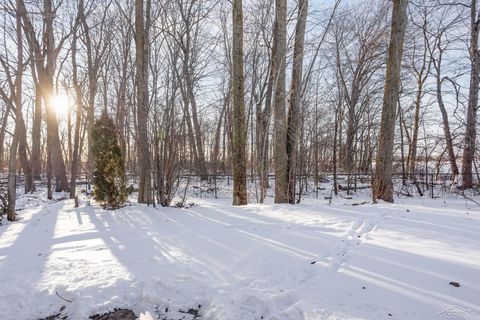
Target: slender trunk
[
  {"x": 264, "y": 124},
  {"x": 36, "y": 129},
  {"x": 446, "y": 125},
  {"x": 11, "y": 188},
  {"x": 197, "y": 131},
  {"x": 93, "y": 68},
  {"x": 22, "y": 152},
  {"x": 421, "y": 76},
  {"x": 335, "y": 147},
  {"x": 295, "y": 99},
  {"x": 412, "y": 152},
  {"x": 218, "y": 132},
  {"x": 12, "y": 184},
  {"x": 78, "y": 116},
  {"x": 3, "y": 128},
  {"x": 402, "y": 151}
]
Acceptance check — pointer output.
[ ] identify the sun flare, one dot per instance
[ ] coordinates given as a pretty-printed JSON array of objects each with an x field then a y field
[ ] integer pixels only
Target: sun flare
[{"x": 61, "y": 104}]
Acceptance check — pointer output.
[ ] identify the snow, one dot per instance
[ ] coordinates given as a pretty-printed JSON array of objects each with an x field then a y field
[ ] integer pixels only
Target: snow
[{"x": 261, "y": 261}]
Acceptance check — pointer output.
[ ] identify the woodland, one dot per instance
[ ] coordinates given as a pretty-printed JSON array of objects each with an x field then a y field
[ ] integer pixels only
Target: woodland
[{"x": 239, "y": 160}]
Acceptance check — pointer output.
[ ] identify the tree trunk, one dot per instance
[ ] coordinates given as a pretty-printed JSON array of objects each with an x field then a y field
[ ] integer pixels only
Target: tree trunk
[
  {"x": 141, "y": 49},
  {"x": 12, "y": 184},
  {"x": 79, "y": 110},
  {"x": 240, "y": 196},
  {"x": 22, "y": 152},
  {"x": 11, "y": 188},
  {"x": 36, "y": 127},
  {"x": 412, "y": 152},
  {"x": 45, "y": 85},
  {"x": 421, "y": 76},
  {"x": 295, "y": 98},
  {"x": 446, "y": 125},
  {"x": 263, "y": 122},
  {"x": 3, "y": 128},
  {"x": 280, "y": 125},
  {"x": 471, "y": 132},
  {"x": 218, "y": 132},
  {"x": 382, "y": 182}
]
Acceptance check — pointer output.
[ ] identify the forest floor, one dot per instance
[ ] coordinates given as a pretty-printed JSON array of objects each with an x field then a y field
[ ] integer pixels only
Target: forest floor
[{"x": 413, "y": 260}]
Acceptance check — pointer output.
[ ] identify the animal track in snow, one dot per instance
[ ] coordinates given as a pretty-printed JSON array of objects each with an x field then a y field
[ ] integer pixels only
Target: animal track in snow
[{"x": 356, "y": 235}]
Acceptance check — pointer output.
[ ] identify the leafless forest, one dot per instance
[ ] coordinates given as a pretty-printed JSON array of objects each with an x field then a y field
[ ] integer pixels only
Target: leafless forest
[{"x": 292, "y": 89}]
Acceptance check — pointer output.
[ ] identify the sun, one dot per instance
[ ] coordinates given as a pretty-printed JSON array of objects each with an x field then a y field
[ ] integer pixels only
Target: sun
[{"x": 61, "y": 103}]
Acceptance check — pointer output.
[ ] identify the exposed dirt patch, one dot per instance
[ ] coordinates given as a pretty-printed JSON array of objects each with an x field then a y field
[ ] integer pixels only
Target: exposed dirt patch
[{"x": 118, "y": 314}]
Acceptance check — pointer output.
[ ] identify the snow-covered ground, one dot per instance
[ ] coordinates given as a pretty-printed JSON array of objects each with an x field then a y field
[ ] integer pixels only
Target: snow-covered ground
[{"x": 308, "y": 261}]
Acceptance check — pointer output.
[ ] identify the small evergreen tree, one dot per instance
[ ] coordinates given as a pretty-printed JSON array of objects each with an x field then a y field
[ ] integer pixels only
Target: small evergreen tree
[{"x": 109, "y": 171}]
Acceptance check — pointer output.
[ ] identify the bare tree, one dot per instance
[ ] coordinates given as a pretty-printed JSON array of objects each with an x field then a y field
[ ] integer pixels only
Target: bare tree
[
  {"x": 13, "y": 102},
  {"x": 421, "y": 70},
  {"x": 45, "y": 57},
  {"x": 438, "y": 46}
]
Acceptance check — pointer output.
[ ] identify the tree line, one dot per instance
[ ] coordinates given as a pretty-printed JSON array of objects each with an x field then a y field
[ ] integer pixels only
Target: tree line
[{"x": 248, "y": 88}]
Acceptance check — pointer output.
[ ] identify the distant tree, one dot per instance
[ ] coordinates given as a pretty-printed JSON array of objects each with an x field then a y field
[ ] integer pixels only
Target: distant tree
[{"x": 109, "y": 171}]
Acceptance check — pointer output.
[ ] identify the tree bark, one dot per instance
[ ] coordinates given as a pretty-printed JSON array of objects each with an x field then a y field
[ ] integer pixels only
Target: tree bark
[
  {"x": 295, "y": 98},
  {"x": 36, "y": 126},
  {"x": 471, "y": 132},
  {"x": 141, "y": 49},
  {"x": 446, "y": 124},
  {"x": 239, "y": 126},
  {"x": 280, "y": 125},
  {"x": 79, "y": 110},
  {"x": 3, "y": 128},
  {"x": 263, "y": 122},
  {"x": 382, "y": 180},
  {"x": 11, "y": 188}
]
